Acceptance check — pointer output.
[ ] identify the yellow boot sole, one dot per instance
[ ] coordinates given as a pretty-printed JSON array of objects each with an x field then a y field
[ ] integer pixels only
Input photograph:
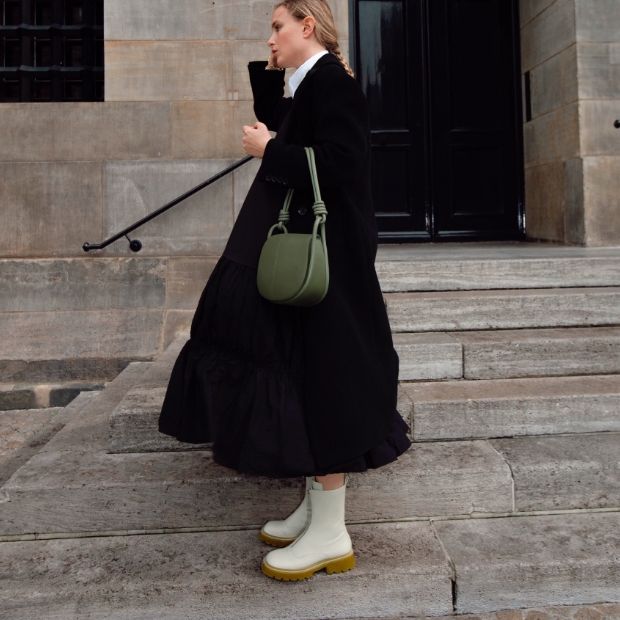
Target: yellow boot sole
[
  {"x": 334, "y": 565},
  {"x": 275, "y": 541}
]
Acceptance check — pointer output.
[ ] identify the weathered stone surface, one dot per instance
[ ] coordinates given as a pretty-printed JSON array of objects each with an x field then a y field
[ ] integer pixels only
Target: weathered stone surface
[
  {"x": 86, "y": 427},
  {"x": 548, "y": 33},
  {"x": 599, "y": 70},
  {"x": 529, "y": 9},
  {"x": 597, "y": 21},
  {"x": 49, "y": 208},
  {"x": 479, "y": 310},
  {"x": 479, "y": 266},
  {"x": 509, "y": 407},
  {"x": 167, "y": 70},
  {"x": 601, "y": 187},
  {"x": 553, "y": 136},
  {"x": 82, "y": 284},
  {"x": 90, "y": 334},
  {"x": 428, "y": 356},
  {"x": 574, "y": 208},
  {"x": 18, "y": 426},
  {"x": 206, "y": 130},
  {"x": 186, "y": 279},
  {"x": 400, "y": 570},
  {"x": 545, "y": 193},
  {"x": 540, "y": 352},
  {"x": 21, "y": 396},
  {"x": 177, "y": 322},
  {"x": 529, "y": 561},
  {"x": 598, "y": 134},
  {"x": 85, "y": 489},
  {"x": 14, "y": 397},
  {"x": 554, "y": 83},
  {"x": 578, "y": 471},
  {"x": 199, "y": 225},
  {"x": 66, "y": 131},
  {"x": 60, "y": 370}
]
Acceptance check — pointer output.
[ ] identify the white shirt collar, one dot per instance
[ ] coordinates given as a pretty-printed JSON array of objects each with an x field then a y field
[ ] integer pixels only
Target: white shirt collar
[{"x": 295, "y": 80}]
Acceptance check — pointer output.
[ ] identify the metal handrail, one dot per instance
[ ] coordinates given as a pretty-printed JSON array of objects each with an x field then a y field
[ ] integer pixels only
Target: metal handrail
[{"x": 134, "y": 244}]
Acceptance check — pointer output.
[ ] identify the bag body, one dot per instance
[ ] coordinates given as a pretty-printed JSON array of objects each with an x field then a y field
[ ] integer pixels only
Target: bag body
[{"x": 293, "y": 268}]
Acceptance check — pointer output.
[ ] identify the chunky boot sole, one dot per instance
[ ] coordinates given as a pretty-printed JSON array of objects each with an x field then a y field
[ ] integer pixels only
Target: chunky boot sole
[
  {"x": 276, "y": 541},
  {"x": 333, "y": 565}
]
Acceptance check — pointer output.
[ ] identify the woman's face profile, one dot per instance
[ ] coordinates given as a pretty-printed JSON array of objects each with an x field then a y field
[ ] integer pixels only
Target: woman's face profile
[{"x": 287, "y": 41}]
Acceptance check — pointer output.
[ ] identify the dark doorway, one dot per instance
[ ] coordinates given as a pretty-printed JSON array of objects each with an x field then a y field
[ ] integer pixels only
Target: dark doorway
[{"x": 442, "y": 80}]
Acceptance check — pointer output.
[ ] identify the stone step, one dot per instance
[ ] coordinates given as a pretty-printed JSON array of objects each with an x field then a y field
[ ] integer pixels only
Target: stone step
[
  {"x": 24, "y": 396},
  {"x": 510, "y": 309},
  {"x": 540, "y": 352},
  {"x": 505, "y": 265},
  {"x": 500, "y": 354},
  {"x": 403, "y": 569},
  {"x": 512, "y": 407}
]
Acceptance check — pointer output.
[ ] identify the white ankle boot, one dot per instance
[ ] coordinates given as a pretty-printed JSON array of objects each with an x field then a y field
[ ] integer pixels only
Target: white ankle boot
[
  {"x": 282, "y": 533},
  {"x": 325, "y": 543}
]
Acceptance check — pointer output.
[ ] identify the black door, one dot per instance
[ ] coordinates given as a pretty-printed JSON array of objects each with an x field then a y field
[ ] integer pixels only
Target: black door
[{"x": 442, "y": 82}]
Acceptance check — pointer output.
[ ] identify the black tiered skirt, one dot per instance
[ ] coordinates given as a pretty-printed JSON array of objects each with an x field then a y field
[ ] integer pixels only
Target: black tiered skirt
[{"x": 238, "y": 382}]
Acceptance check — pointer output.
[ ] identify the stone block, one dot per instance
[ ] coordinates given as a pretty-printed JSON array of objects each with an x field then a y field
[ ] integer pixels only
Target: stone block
[
  {"x": 545, "y": 194},
  {"x": 601, "y": 190},
  {"x": 478, "y": 310},
  {"x": 598, "y": 134},
  {"x": 548, "y": 33},
  {"x": 66, "y": 488},
  {"x": 511, "y": 407},
  {"x": 597, "y": 20},
  {"x": 529, "y": 9},
  {"x": 428, "y": 356},
  {"x": 167, "y": 70},
  {"x": 569, "y": 559},
  {"x": 400, "y": 571},
  {"x": 199, "y": 225},
  {"x": 540, "y": 352},
  {"x": 14, "y": 397},
  {"x": 187, "y": 277},
  {"x": 599, "y": 70},
  {"x": 564, "y": 473},
  {"x": 206, "y": 130},
  {"x": 90, "y": 334},
  {"x": 61, "y": 369},
  {"x": 552, "y": 137},
  {"x": 575, "y": 203},
  {"x": 408, "y": 268},
  {"x": 176, "y": 322},
  {"x": 49, "y": 208},
  {"x": 84, "y": 131},
  {"x": 554, "y": 83},
  {"x": 158, "y": 373},
  {"x": 82, "y": 284},
  {"x": 62, "y": 395}
]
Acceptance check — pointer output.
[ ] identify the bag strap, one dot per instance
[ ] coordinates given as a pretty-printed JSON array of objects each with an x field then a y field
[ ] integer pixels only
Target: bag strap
[{"x": 318, "y": 208}]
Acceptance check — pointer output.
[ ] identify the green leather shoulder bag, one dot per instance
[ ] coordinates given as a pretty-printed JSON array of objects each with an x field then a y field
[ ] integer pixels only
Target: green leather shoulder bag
[{"x": 293, "y": 267}]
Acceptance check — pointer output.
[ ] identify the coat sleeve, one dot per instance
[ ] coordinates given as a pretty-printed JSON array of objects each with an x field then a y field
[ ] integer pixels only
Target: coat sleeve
[
  {"x": 341, "y": 129},
  {"x": 270, "y": 104}
]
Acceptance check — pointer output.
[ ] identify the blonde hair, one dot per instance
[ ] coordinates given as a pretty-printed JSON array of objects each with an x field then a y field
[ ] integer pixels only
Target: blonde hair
[{"x": 325, "y": 27}]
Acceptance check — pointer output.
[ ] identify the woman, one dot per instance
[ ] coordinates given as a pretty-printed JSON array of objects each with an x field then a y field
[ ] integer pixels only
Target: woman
[{"x": 285, "y": 391}]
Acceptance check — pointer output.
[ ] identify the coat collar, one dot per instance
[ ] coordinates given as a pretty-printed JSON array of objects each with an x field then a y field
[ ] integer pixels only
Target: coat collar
[{"x": 323, "y": 61}]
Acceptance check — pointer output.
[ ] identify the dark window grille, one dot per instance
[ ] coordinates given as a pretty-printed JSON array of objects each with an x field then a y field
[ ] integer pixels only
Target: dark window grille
[{"x": 51, "y": 50}]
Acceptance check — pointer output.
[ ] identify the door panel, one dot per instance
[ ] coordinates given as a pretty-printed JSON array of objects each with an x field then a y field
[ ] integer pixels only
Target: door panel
[{"x": 442, "y": 82}]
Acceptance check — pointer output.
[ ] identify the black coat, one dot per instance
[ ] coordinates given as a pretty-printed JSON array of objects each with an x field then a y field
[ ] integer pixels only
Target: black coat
[{"x": 351, "y": 375}]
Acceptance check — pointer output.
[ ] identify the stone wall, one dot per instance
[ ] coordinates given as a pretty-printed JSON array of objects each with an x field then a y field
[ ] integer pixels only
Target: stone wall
[
  {"x": 572, "y": 149},
  {"x": 177, "y": 95}
]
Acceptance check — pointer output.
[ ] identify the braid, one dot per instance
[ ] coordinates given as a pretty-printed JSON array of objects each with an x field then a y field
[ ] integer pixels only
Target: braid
[{"x": 335, "y": 49}]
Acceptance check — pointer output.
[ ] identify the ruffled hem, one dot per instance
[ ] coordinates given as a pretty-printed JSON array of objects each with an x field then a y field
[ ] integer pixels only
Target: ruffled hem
[{"x": 238, "y": 383}]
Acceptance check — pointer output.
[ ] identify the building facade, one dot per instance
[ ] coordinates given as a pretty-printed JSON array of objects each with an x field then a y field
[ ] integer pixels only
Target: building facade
[{"x": 492, "y": 119}]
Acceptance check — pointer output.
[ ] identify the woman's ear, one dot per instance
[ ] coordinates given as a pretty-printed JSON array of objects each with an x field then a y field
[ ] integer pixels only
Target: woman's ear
[{"x": 308, "y": 26}]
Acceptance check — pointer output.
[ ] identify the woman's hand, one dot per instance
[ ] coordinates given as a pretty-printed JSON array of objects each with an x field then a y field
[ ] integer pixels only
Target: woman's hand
[{"x": 255, "y": 139}]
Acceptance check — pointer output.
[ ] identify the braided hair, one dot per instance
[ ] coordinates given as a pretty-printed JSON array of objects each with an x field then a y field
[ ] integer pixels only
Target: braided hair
[{"x": 325, "y": 26}]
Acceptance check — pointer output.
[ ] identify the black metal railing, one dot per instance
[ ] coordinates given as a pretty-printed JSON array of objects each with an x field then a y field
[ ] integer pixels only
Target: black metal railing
[{"x": 134, "y": 244}]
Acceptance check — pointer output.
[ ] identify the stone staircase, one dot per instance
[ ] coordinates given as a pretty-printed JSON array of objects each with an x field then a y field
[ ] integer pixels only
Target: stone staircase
[{"x": 508, "y": 498}]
